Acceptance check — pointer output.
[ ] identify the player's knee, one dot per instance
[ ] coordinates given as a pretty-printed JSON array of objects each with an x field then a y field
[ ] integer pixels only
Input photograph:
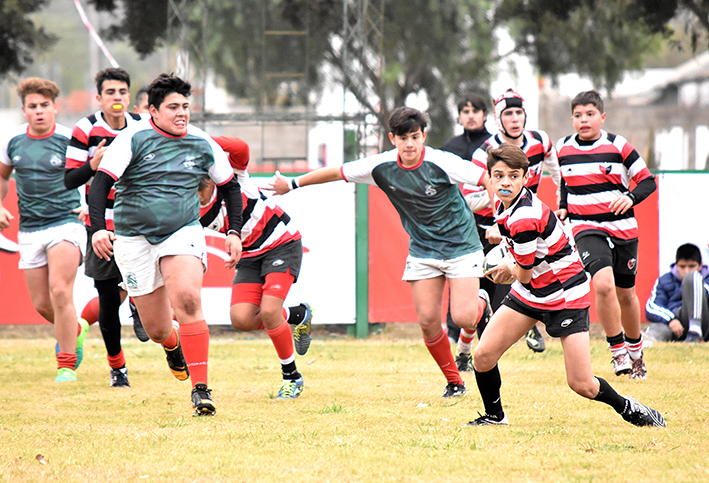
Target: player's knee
[
  {"x": 627, "y": 297},
  {"x": 483, "y": 360},
  {"x": 465, "y": 317},
  {"x": 189, "y": 302},
  {"x": 604, "y": 286},
  {"x": 244, "y": 319},
  {"x": 61, "y": 294}
]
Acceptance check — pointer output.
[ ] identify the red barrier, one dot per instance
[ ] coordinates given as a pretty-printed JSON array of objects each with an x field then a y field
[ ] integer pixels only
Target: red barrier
[
  {"x": 15, "y": 298},
  {"x": 390, "y": 298}
]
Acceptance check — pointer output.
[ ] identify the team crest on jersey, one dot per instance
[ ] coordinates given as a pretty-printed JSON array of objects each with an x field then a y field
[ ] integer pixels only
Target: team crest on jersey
[
  {"x": 430, "y": 190},
  {"x": 606, "y": 169},
  {"x": 632, "y": 263},
  {"x": 56, "y": 160},
  {"x": 131, "y": 280},
  {"x": 189, "y": 162}
]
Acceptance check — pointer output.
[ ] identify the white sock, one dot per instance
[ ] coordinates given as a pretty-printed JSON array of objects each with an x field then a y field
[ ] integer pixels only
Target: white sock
[{"x": 695, "y": 327}]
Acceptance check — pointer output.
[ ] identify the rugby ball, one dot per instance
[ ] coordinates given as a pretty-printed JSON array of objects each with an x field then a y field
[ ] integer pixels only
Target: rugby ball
[{"x": 493, "y": 258}]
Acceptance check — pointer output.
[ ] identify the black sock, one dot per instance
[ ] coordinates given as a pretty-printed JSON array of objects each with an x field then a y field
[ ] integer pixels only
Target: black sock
[
  {"x": 489, "y": 384},
  {"x": 296, "y": 314},
  {"x": 632, "y": 341},
  {"x": 616, "y": 339},
  {"x": 289, "y": 371},
  {"x": 606, "y": 394},
  {"x": 109, "y": 300}
]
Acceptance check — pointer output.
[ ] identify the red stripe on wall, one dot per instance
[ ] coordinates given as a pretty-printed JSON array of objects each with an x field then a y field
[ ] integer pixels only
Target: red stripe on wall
[{"x": 390, "y": 298}]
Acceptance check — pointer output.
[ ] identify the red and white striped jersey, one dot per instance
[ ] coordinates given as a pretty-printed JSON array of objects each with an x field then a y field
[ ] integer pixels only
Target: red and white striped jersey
[
  {"x": 594, "y": 174},
  {"x": 540, "y": 151},
  {"x": 538, "y": 242},
  {"x": 85, "y": 137},
  {"x": 266, "y": 225}
]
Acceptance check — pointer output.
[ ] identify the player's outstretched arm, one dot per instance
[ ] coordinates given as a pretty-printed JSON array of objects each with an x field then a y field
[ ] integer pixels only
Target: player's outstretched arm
[{"x": 282, "y": 185}]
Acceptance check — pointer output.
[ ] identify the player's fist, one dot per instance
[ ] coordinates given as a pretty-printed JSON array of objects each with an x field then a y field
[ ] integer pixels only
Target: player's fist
[{"x": 102, "y": 242}]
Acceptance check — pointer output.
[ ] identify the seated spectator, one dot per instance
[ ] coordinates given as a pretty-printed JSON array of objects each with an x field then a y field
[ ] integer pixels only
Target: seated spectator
[{"x": 678, "y": 306}]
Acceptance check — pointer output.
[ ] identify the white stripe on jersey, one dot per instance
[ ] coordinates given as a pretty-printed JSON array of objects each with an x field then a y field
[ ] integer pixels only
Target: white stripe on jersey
[
  {"x": 259, "y": 216},
  {"x": 623, "y": 225},
  {"x": 593, "y": 199}
]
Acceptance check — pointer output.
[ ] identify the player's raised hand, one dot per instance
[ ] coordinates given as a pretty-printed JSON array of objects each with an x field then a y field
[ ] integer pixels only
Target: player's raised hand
[
  {"x": 279, "y": 184},
  {"x": 98, "y": 155}
]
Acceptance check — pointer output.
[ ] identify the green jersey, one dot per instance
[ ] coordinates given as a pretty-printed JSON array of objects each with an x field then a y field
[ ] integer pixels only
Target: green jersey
[
  {"x": 428, "y": 199},
  {"x": 157, "y": 176},
  {"x": 42, "y": 199}
]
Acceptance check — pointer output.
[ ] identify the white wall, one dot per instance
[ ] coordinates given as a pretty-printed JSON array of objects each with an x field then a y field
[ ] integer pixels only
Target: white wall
[
  {"x": 682, "y": 211},
  {"x": 325, "y": 216}
]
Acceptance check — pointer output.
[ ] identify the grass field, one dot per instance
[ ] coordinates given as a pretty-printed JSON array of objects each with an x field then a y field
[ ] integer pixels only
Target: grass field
[{"x": 371, "y": 412}]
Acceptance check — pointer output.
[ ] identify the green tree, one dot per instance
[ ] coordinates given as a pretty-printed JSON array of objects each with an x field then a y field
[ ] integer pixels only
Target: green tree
[
  {"x": 598, "y": 39},
  {"x": 19, "y": 36},
  {"x": 438, "y": 47}
]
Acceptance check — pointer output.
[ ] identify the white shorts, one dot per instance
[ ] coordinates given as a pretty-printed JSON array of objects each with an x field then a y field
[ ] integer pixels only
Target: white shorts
[
  {"x": 139, "y": 261},
  {"x": 34, "y": 244},
  {"x": 466, "y": 266}
]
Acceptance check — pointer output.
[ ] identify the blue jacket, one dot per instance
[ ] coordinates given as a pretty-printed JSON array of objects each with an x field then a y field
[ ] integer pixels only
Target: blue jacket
[{"x": 666, "y": 297}]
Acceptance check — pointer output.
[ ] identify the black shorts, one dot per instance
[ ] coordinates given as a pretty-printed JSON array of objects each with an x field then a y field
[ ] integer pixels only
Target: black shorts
[
  {"x": 600, "y": 251},
  {"x": 98, "y": 268},
  {"x": 558, "y": 323},
  {"x": 278, "y": 260}
]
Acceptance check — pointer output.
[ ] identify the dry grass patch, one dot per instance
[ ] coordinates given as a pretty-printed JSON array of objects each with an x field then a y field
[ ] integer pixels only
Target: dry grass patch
[{"x": 371, "y": 411}]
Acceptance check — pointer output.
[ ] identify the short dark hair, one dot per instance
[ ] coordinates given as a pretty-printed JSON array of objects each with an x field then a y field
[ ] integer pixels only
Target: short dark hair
[
  {"x": 164, "y": 85},
  {"x": 35, "y": 85},
  {"x": 509, "y": 154},
  {"x": 143, "y": 91},
  {"x": 689, "y": 251},
  {"x": 204, "y": 183},
  {"x": 112, "y": 73},
  {"x": 588, "y": 97},
  {"x": 478, "y": 102},
  {"x": 405, "y": 120}
]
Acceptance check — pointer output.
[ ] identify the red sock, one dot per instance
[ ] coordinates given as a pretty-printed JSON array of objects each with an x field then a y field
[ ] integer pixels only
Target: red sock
[
  {"x": 467, "y": 336},
  {"x": 66, "y": 359},
  {"x": 282, "y": 339},
  {"x": 195, "y": 346},
  {"x": 171, "y": 341},
  {"x": 440, "y": 349},
  {"x": 90, "y": 312},
  {"x": 117, "y": 361},
  {"x": 481, "y": 309}
]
